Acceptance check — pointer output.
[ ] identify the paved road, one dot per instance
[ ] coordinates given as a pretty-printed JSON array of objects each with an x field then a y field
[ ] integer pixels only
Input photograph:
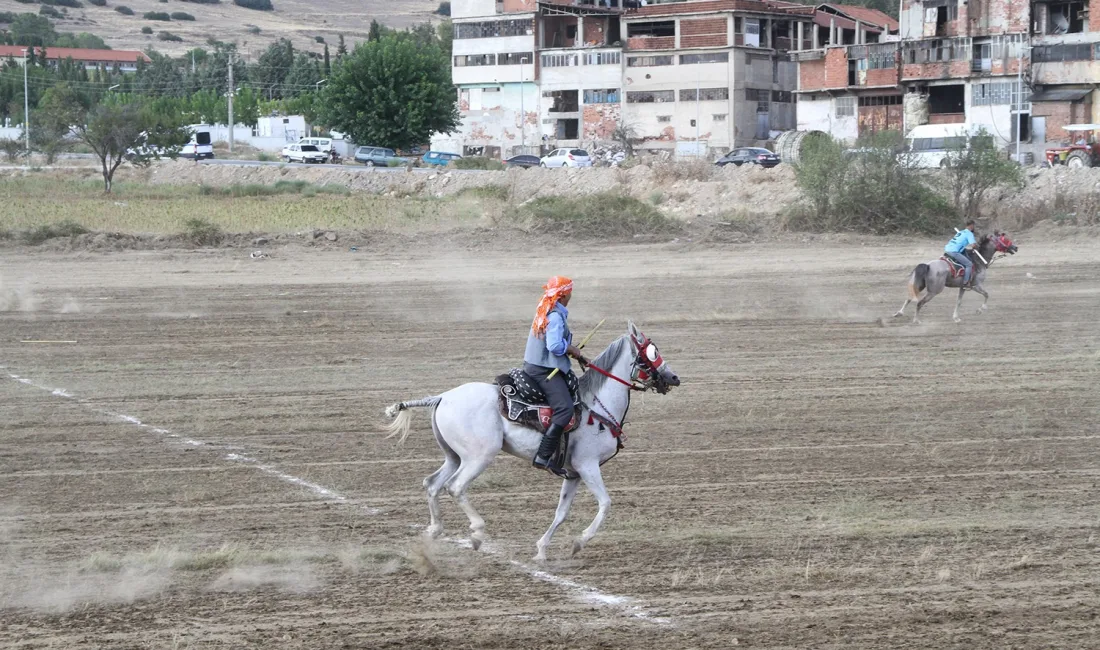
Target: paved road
[{"x": 352, "y": 168}]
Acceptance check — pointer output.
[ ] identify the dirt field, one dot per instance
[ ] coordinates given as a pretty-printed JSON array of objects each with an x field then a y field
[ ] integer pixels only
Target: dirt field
[{"x": 202, "y": 468}]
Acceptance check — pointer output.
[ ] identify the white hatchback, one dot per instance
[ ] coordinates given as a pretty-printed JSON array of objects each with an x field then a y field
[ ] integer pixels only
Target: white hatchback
[{"x": 566, "y": 158}]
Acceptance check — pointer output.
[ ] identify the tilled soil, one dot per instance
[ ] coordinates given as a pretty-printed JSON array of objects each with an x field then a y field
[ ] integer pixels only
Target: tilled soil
[{"x": 204, "y": 467}]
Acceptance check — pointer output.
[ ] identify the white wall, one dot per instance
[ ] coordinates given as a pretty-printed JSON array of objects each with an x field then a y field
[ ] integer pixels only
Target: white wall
[
  {"x": 820, "y": 115},
  {"x": 494, "y": 45},
  {"x": 473, "y": 8}
]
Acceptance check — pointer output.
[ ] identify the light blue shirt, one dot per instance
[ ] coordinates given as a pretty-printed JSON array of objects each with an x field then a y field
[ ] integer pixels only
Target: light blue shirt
[
  {"x": 557, "y": 336},
  {"x": 960, "y": 241}
]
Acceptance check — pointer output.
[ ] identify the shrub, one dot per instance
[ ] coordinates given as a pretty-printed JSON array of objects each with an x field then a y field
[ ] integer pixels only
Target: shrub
[
  {"x": 124, "y": 10},
  {"x": 444, "y": 9},
  {"x": 264, "y": 156},
  {"x": 157, "y": 15},
  {"x": 75, "y": 4},
  {"x": 608, "y": 214},
  {"x": 98, "y": 3},
  {"x": 877, "y": 191},
  {"x": 146, "y": 30},
  {"x": 12, "y": 148},
  {"x": 27, "y": 2},
  {"x": 200, "y": 232},
  {"x": 7, "y": 17},
  {"x": 497, "y": 192},
  {"x": 49, "y": 12},
  {"x": 318, "y": 39},
  {"x": 252, "y": 29},
  {"x": 65, "y": 228},
  {"x": 690, "y": 169},
  {"x": 181, "y": 15},
  {"x": 169, "y": 37},
  {"x": 975, "y": 170},
  {"x": 477, "y": 162},
  {"x": 258, "y": 5},
  {"x": 204, "y": 2}
]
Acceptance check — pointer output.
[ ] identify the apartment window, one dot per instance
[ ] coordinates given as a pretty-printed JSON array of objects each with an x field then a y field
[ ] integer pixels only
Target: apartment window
[
  {"x": 664, "y": 119},
  {"x": 515, "y": 58},
  {"x": 996, "y": 94},
  {"x": 603, "y": 58},
  {"x": 1067, "y": 52},
  {"x": 647, "y": 61},
  {"x": 881, "y": 100},
  {"x": 938, "y": 50},
  {"x": 719, "y": 117},
  {"x": 494, "y": 28},
  {"x": 782, "y": 96},
  {"x": 602, "y": 96},
  {"x": 714, "y": 57},
  {"x": 706, "y": 94},
  {"x": 650, "y": 96},
  {"x": 662, "y": 28},
  {"x": 874, "y": 57},
  {"x": 845, "y": 106},
  {"x": 470, "y": 60},
  {"x": 562, "y": 101},
  {"x": 559, "y": 60}
]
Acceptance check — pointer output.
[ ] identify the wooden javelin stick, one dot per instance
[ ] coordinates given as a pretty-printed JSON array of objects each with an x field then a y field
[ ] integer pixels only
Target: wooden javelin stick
[
  {"x": 584, "y": 342},
  {"x": 976, "y": 252}
]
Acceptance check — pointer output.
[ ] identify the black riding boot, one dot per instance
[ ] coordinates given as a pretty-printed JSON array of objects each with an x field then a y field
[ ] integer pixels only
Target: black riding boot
[{"x": 549, "y": 445}]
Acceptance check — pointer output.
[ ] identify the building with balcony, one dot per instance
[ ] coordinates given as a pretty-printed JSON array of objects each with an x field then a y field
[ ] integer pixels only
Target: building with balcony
[{"x": 692, "y": 76}]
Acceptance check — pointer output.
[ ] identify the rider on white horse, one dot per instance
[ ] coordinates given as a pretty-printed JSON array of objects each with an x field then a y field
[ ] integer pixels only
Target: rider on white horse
[
  {"x": 549, "y": 346},
  {"x": 957, "y": 247}
]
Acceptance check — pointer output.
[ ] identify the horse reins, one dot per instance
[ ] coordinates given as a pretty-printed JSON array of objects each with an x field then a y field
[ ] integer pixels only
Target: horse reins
[{"x": 628, "y": 384}]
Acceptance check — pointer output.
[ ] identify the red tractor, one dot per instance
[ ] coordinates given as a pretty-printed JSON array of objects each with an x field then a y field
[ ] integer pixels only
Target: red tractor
[{"x": 1084, "y": 150}]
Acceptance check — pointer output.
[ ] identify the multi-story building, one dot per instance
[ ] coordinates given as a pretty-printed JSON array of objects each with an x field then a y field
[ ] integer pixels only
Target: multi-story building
[
  {"x": 1020, "y": 71},
  {"x": 124, "y": 60},
  {"x": 692, "y": 76}
]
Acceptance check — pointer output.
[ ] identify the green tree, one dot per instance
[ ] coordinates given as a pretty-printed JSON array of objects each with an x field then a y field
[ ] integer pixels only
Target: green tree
[
  {"x": 30, "y": 29},
  {"x": 393, "y": 92},
  {"x": 60, "y": 109},
  {"x": 375, "y": 33},
  {"x": 117, "y": 131},
  {"x": 301, "y": 77},
  {"x": 162, "y": 76},
  {"x": 976, "y": 169},
  {"x": 273, "y": 67},
  {"x": 328, "y": 63},
  {"x": 341, "y": 48},
  {"x": 445, "y": 31}
]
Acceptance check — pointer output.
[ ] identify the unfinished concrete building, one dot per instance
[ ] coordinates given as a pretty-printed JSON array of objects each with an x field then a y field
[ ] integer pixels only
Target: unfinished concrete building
[
  {"x": 696, "y": 76},
  {"x": 1019, "y": 70}
]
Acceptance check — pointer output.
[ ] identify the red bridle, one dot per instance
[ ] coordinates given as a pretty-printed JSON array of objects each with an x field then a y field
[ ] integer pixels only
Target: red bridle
[{"x": 643, "y": 369}]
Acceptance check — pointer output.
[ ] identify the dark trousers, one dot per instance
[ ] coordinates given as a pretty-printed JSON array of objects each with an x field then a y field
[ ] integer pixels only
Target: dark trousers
[{"x": 557, "y": 392}]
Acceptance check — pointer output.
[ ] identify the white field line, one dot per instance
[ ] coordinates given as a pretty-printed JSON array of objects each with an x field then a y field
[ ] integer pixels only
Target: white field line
[{"x": 588, "y": 594}]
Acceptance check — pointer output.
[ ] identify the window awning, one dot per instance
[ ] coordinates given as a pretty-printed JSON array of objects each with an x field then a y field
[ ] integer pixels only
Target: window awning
[{"x": 1061, "y": 95}]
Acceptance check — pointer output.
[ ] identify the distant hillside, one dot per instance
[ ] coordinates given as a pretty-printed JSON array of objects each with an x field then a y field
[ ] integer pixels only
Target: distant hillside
[{"x": 301, "y": 21}]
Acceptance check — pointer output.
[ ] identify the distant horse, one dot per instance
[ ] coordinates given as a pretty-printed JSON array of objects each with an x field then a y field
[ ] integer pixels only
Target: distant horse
[
  {"x": 471, "y": 427},
  {"x": 938, "y": 274}
]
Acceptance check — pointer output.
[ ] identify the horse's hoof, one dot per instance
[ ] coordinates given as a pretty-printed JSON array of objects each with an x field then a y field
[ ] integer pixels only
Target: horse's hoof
[
  {"x": 476, "y": 540},
  {"x": 434, "y": 531},
  {"x": 577, "y": 546},
  {"x": 540, "y": 556},
  {"x": 956, "y": 319}
]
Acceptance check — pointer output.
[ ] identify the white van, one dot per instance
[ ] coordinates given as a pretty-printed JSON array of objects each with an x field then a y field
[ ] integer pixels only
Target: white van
[
  {"x": 931, "y": 145},
  {"x": 323, "y": 144},
  {"x": 201, "y": 145}
]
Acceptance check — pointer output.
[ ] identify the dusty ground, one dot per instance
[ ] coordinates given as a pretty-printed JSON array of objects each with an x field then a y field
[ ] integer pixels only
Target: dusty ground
[
  {"x": 297, "y": 20},
  {"x": 820, "y": 481}
]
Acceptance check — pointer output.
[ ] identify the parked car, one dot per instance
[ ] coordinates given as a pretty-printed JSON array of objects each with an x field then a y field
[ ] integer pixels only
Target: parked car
[
  {"x": 304, "y": 153},
  {"x": 439, "y": 158},
  {"x": 378, "y": 157},
  {"x": 752, "y": 155},
  {"x": 523, "y": 161},
  {"x": 566, "y": 158}
]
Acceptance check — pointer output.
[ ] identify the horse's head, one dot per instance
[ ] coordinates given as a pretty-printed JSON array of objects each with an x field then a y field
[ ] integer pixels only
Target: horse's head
[{"x": 650, "y": 369}]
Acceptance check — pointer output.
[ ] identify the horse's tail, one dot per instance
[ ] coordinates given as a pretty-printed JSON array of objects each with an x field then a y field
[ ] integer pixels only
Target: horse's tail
[
  {"x": 402, "y": 418},
  {"x": 918, "y": 281}
]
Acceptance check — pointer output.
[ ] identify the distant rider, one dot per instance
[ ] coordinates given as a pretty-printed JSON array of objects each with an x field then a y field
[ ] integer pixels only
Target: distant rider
[
  {"x": 549, "y": 346},
  {"x": 957, "y": 247}
]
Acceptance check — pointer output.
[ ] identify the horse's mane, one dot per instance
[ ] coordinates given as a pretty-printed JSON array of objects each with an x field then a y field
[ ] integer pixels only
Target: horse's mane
[{"x": 591, "y": 382}]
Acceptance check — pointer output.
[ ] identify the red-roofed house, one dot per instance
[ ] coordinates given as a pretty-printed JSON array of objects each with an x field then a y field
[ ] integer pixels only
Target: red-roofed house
[{"x": 126, "y": 60}]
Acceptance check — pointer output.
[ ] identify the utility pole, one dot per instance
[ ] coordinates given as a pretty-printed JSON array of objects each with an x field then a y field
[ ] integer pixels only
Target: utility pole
[
  {"x": 1019, "y": 98},
  {"x": 229, "y": 96},
  {"x": 522, "y": 110},
  {"x": 26, "y": 104}
]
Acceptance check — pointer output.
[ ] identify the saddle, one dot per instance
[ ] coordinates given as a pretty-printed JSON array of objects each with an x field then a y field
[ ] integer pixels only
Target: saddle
[
  {"x": 955, "y": 269},
  {"x": 523, "y": 402}
]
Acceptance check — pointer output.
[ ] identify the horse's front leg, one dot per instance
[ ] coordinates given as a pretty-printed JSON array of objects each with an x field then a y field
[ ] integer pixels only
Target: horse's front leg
[
  {"x": 983, "y": 307},
  {"x": 955, "y": 316},
  {"x": 565, "y": 501},
  {"x": 593, "y": 480}
]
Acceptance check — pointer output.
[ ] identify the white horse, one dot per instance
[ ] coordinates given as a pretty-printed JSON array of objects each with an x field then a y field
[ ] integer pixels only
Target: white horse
[{"x": 471, "y": 431}]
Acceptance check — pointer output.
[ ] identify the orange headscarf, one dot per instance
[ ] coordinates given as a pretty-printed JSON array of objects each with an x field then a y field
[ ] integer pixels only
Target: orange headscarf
[{"x": 553, "y": 291}]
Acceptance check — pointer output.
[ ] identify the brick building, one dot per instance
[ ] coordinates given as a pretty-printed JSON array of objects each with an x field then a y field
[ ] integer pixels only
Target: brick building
[
  {"x": 693, "y": 76},
  {"x": 1000, "y": 65},
  {"x": 124, "y": 60}
]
